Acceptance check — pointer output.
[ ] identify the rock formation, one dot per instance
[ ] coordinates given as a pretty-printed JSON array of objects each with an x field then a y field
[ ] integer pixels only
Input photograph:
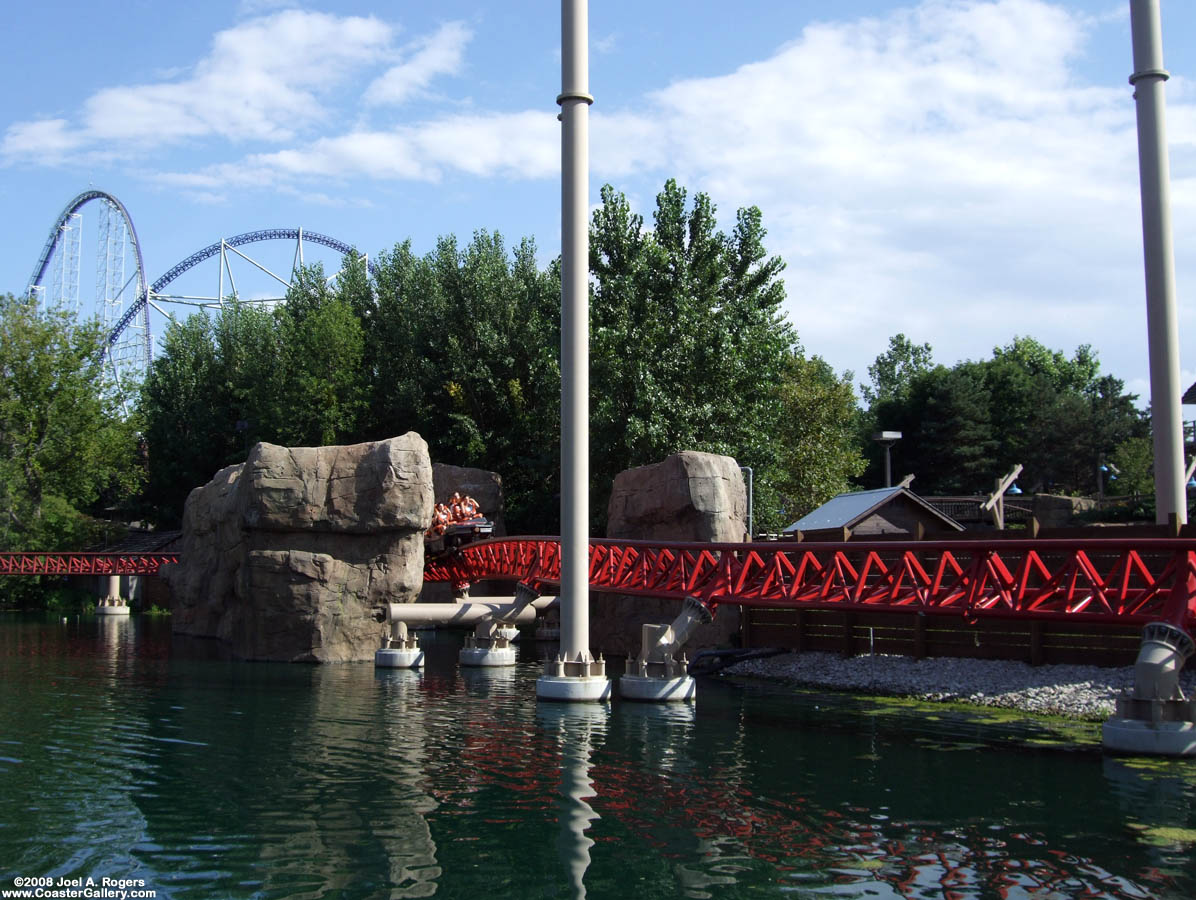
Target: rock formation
[
  {"x": 286, "y": 555},
  {"x": 690, "y": 496}
]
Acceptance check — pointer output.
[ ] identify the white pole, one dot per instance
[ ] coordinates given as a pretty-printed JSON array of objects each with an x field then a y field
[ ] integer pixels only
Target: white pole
[
  {"x": 575, "y": 103},
  {"x": 1162, "y": 323},
  {"x": 575, "y": 675}
]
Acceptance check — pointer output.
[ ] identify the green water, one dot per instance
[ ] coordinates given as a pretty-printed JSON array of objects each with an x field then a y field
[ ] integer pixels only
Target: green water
[{"x": 125, "y": 754}]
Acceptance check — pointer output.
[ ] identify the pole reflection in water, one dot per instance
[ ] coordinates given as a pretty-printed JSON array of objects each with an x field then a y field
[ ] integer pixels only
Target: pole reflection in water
[
  {"x": 122, "y": 756},
  {"x": 578, "y": 728},
  {"x": 406, "y": 838}
]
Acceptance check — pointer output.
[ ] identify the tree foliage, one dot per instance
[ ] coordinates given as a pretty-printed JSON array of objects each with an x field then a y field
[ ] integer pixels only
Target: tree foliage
[
  {"x": 895, "y": 370},
  {"x": 456, "y": 345},
  {"x": 963, "y": 427},
  {"x": 65, "y": 443},
  {"x": 689, "y": 350},
  {"x": 689, "y": 341},
  {"x": 816, "y": 435}
]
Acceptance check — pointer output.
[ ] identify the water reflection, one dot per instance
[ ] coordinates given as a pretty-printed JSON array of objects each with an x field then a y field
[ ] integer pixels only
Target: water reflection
[
  {"x": 577, "y": 728},
  {"x": 209, "y": 777},
  {"x": 405, "y": 835}
]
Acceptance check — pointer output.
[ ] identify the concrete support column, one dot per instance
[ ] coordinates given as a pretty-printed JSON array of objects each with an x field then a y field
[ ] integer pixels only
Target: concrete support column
[
  {"x": 576, "y": 675},
  {"x": 575, "y": 331},
  {"x": 112, "y": 604},
  {"x": 1162, "y": 322}
]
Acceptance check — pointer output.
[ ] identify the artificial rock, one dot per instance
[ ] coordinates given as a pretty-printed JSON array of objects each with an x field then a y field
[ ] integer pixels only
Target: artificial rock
[
  {"x": 690, "y": 496},
  {"x": 286, "y": 556}
]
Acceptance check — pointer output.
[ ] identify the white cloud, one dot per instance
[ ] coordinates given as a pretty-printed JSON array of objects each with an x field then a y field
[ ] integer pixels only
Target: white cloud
[
  {"x": 263, "y": 79},
  {"x": 45, "y": 140},
  {"x": 940, "y": 171},
  {"x": 438, "y": 54},
  {"x": 606, "y": 44},
  {"x": 516, "y": 145}
]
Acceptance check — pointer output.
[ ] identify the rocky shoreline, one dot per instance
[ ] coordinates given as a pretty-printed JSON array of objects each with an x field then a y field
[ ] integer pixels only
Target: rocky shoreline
[{"x": 1072, "y": 691}]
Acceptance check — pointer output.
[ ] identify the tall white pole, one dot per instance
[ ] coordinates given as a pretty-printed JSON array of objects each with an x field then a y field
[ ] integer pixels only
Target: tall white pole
[
  {"x": 576, "y": 676},
  {"x": 575, "y": 103},
  {"x": 1161, "y": 319}
]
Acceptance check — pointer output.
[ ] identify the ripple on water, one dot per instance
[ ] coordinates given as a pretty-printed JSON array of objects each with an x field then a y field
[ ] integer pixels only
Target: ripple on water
[{"x": 210, "y": 778}]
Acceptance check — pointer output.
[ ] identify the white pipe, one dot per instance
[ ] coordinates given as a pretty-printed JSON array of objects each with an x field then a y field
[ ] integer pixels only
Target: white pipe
[
  {"x": 1162, "y": 322},
  {"x": 575, "y": 103},
  {"x": 693, "y": 613},
  {"x": 466, "y": 613},
  {"x": 750, "y": 492}
]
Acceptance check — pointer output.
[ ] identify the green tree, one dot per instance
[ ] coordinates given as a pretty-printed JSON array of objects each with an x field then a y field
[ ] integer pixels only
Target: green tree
[
  {"x": 188, "y": 431},
  {"x": 688, "y": 347},
  {"x": 817, "y": 434},
  {"x": 464, "y": 345},
  {"x": 65, "y": 442},
  {"x": 894, "y": 370},
  {"x": 322, "y": 387},
  {"x": 1133, "y": 461},
  {"x": 688, "y": 339},
  {"x": 966, "y": 425}
]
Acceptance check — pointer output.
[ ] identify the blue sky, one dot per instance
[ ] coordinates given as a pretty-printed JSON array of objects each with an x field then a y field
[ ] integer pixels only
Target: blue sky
[{"x": 960, "y": 170}]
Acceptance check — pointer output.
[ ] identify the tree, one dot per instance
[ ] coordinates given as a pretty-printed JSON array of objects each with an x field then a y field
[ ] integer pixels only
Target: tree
[
  {"x": 65, "y": 442},
  {"x": 689, "y": 344},
  {"x": 464, "y": 347},
  {"x": 817, "y": 435},
  {"x": 1133, "y": 461},
  {"x": 188, "y": 432},
  {"x": 896, "y": 369},
  {"x": 322, "y": 389},
  {"x": 688, "y": 338},
  {"x": 966, "y": 425}
]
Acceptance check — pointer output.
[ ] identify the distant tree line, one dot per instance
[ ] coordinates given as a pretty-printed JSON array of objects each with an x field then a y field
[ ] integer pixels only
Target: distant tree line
[
  {"x": 690, "y": 349},
  {"x": 964, "y": 426}
]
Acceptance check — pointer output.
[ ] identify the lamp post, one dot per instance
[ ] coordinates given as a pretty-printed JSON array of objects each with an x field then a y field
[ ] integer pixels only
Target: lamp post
[{"x": 887, "y": 439}]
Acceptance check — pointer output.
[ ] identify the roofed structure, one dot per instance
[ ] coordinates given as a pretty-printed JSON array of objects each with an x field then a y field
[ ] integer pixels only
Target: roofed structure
[{"x": 891, "y": 510}]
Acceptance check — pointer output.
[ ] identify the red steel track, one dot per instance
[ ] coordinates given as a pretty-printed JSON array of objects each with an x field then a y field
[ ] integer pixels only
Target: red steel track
[
  {"x": 1110, "y": 581},
  {"x": 84, "y": 563}
]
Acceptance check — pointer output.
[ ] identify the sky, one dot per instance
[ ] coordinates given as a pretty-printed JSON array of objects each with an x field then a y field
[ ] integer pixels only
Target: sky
[{"x": 962, "y": 171}]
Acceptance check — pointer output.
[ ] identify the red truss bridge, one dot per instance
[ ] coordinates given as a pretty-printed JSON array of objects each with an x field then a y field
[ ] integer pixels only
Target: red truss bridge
[
  {"x": 1110, "y": 581},
  {"x": 84, "y": 563}
]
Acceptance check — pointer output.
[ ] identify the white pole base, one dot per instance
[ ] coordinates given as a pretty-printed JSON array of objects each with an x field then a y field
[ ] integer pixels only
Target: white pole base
[
  {"x": 572, "y": 688},
  {"x": 486, "y": 656},
  {"x": 398, "y": 658},
  {"x": 657, "y": 690},
  {"x": 1140, "y": 737},
  {"x": 112, "y": 610},
  {"x": 508, "y": 632}
]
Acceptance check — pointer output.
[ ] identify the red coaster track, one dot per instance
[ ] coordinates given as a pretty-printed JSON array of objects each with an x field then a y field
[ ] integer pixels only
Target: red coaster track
[
  {"x": 84, "y": 563},
  {"x": 1111, "y": 581}
]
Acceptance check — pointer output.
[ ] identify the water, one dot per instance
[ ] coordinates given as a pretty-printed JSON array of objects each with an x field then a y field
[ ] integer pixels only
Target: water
[{"x": 125, "y": 754}]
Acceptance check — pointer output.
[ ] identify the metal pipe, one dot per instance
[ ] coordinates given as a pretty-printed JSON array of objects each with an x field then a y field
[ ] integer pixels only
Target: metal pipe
[
  {"x": 575, "y": 103},
  {"x": 1161, "y": 318},
  {"x": 693, "y": 613},
  {"x": 750, "y": 491},
  {"x": 466, "y": 613}
]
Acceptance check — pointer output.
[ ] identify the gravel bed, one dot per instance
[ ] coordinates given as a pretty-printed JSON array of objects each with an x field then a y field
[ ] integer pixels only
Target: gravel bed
[{"x": 1077, "y": 692}]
